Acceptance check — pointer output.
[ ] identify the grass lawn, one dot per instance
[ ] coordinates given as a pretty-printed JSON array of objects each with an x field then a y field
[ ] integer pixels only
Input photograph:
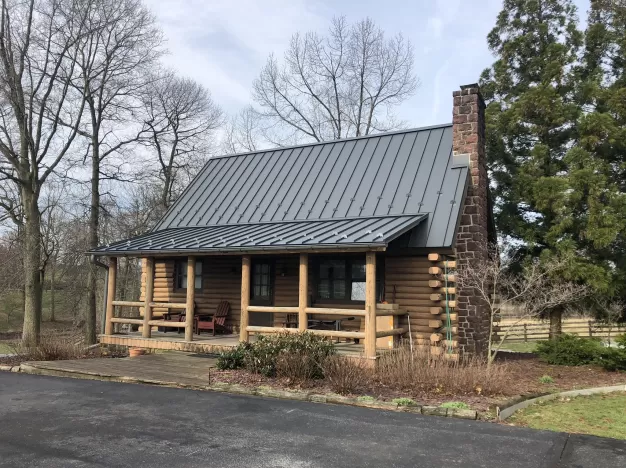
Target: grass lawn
[
  {"x": 5, "y": 348},
  {"x": 520, "y": 347},
  {"x": 600, "y": 415}
]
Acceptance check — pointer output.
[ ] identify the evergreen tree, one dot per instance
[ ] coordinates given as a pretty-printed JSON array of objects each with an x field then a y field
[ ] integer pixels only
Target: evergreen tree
[
  {"x": 531, "y": 114},
  {"x": 596, "y": 177}
]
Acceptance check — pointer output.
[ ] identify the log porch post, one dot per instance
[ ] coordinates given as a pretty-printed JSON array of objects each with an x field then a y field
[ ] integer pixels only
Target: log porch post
[
  {"x": 303, "y": 296},
  {"x": 245, "y": 298},
  {"x": 191, "y": 297},
  {"x": 147, "y": 308},
  {"x": 112, "y": 278},
  {"x": 370, "y": 305}
]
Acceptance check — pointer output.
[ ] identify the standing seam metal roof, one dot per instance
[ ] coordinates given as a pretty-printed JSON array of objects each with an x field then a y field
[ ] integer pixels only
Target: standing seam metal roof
[
  {"x": 400, "y": 173},
  {"x": 371, "y": 231}
]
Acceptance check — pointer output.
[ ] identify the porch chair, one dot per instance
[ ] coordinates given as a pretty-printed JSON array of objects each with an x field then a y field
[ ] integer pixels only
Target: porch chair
[{"x": 214, "y": 321}]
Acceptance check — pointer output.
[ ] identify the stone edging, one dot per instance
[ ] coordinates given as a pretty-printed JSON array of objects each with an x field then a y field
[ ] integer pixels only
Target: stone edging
[
  {"x": 263, "y": 391},
  {"x": 505, "y": 413}
]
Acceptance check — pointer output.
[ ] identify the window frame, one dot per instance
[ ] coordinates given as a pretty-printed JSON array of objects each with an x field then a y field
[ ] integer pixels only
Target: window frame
[
  {"x": 180, "y": 272},
  {"x": 349, "y": 260},
  {"x": 263, "y": 301}
]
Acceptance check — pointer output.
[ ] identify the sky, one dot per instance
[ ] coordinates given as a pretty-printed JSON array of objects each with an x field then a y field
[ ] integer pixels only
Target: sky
[{"x": 223, "y": 44}]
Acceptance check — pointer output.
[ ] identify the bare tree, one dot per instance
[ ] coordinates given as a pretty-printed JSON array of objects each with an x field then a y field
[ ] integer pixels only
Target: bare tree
[
  {"x": 242, "y": 133},
  {"x": 535, "y": 290},
  {"x": 181, "y": 116},
  {"x": 113, "y": 69},
  {"x": 38, "y": 61},
  {"x": 343, "y": 84}
]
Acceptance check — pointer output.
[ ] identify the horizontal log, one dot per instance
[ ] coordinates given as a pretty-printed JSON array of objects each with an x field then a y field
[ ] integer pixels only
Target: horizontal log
[
  {"x": 128, "y": 303},
  {"x": 133, "y": 321},
  {"x": 387, "y": 312},
  {"x": 436, "y": 310},
  {"x": 387, "y": 306},
  {"x": 449, "y": 290},
  {"x": 168, "y": 305},
  {"x": 256, "y": 329},
  {"x": 166, "y": 323},
  {"x": 436, "y": 297},
  {"x": 325, "y": 311},
  {"x": 448, "y": 264},
  {"x": 436, "y": 337},
  {"x": 435, "y": 283},
  {"x": 449, "y": 278},
  {"x": 434, "y": 270},
  {"x": 435, "y": 323},
  {"x": 272, "y": 309},
  {"x": 450, "y": 343},
  {"x": 434, "y": 257},
  {"x": 392, "y": 332},
  {"x": 338, "y": 334}
]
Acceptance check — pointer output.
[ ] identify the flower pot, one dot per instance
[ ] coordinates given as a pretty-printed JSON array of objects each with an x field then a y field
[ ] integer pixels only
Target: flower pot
[{"x": 134, "y": 352}]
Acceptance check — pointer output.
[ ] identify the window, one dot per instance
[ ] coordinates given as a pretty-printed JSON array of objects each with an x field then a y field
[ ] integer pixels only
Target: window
[
  {"x": 343, "y": 279},
  {"x": 261, "y": 291},
  {"x": 180, "y": 274}
]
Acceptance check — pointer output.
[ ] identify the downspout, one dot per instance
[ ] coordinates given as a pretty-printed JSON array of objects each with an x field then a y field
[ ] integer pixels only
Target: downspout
[{"x": 97, "y": 262}]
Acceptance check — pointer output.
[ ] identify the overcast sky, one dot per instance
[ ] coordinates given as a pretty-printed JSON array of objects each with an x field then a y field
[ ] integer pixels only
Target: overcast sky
[{"x": 223, "y": 44}]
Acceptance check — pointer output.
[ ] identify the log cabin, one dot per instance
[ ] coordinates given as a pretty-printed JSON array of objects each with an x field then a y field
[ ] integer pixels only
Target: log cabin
[{"x": 355, "y": 239}]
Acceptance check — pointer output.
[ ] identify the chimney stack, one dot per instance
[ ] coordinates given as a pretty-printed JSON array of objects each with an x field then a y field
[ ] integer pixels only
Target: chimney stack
[{"x": 468, "y": 138}]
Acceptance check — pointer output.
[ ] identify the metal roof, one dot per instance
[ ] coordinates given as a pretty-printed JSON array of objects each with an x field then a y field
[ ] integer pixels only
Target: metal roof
[
  {"x": 386, "y": 176},
  {"x": 373, "y": 231},
  {"x": 406, "y": 172}
]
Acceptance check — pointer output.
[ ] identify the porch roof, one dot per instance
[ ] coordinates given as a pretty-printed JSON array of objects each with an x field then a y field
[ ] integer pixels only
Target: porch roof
[{"x": 297, "y": 235}]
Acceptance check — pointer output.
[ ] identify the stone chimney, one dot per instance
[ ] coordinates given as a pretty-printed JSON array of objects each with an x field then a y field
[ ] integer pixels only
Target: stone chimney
[{"x": 468, "y": 139}]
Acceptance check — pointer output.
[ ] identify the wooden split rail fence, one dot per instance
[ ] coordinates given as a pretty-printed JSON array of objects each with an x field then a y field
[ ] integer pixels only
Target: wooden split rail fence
[{"x": 534, "y": 330}]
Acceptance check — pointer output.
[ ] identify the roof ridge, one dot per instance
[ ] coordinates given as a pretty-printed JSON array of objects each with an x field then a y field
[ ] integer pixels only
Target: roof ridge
[{"x": 316, "y": 143}]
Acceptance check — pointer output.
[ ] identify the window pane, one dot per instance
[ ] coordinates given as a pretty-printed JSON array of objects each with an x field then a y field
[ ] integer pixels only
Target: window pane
[
  {"x": 198, "y": 268},
  {"x": 198, "y": 284},
  {"x": 257, "y": 291},
  {"x": 339, "y": 289},
  {"x": 183, "y": 281},
  {"x": 323, "y": 289},
  {"x": 358, "y": 291},
  {"x": 358, "y": 270}
]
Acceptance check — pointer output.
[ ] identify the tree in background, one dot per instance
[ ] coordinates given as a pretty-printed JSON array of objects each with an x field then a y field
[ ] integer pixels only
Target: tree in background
[
  {"x": 38, "y": 60},
  {"x": 181, "y": 119},
  {"x": 113, "y": 69},
  {"x": 595, "y": 191},
  {"x": 531, "y": 116},
  {"x": 342, "y": 84}
]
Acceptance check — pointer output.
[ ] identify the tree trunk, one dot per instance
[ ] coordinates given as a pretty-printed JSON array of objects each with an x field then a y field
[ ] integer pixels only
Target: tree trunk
[
  {"x": 32, "y": 275},
  {"x": 52, "y": 306},
  {"x": 556, "y": 318},
  {"x": 94, "y": 224}
]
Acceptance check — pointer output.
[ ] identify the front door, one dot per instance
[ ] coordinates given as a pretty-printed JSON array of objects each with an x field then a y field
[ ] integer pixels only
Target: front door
[{"x": 262, "y": 292}]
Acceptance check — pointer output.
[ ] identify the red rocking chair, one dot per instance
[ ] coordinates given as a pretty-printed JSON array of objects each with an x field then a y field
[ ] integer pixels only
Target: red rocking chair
[{"x": 215, "y": 321}]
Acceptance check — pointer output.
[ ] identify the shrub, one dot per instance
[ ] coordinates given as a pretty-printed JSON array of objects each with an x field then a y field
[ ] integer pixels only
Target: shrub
[
  {"x": 455, "y": 404},
  {"x": 570, "y": 350},
  {"x": 345, "y": 375},
  {"x": 422, "y": 371},
  {"x": 546, "y": 379},
  {"x": 52, "y": 348},
  {"x": 294, "y": 355},
  {"x": 233, "y": 358},
  {"x": 404, "y": 402},
  {"x": 612, "y": 359},
  {"x": 621, "y": 341}
]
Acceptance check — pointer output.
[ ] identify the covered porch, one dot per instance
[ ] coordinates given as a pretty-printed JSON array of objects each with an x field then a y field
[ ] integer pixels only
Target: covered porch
[{"x": 370, "y": 326}]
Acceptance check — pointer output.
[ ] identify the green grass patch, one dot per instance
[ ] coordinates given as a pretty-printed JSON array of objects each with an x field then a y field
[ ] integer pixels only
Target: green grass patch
[
  {"x": 6, "y": 348},
  {"x": 404, "y": 402},
  {"x": 520, "y": 347},
  {"x": 546, "y": 379},
  {"x": 455, "y": 404},
  {"x": 599, "y": 415},
  {"x": 366, "y": 398}
]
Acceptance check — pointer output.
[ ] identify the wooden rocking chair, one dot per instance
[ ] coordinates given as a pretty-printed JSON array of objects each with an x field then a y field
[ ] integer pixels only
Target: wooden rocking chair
[{"x": 214, "y": 321}]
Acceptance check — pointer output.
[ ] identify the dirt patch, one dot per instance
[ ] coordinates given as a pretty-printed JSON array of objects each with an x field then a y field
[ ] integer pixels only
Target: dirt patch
[
  {"x": 16, "y": 360},
  {"x": 522, "y": 378}
]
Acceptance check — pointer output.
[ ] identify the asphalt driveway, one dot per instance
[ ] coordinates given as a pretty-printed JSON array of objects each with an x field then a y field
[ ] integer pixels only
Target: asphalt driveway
[{"x": 56, "y": 422}]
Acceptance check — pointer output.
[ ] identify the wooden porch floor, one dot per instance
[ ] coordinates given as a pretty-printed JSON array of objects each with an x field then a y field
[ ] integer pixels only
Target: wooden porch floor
[{"x": 201, "y": 343}]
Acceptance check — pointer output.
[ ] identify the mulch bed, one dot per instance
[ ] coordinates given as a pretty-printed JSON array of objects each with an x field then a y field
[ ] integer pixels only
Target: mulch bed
[
  {"x": 522, "y": 379},
  {"x": 16, "y": 360}
]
